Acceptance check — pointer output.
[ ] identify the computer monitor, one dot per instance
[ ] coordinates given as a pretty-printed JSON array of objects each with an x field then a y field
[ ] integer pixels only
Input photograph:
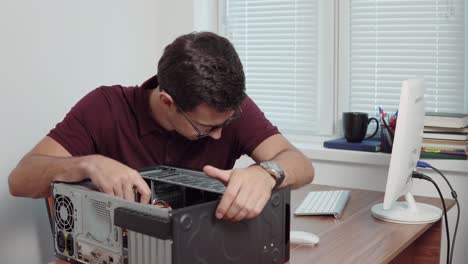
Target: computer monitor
[{"x": 405, "y": 155}]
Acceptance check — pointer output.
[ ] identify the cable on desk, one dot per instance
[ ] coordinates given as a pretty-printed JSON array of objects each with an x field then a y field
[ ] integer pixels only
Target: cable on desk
[
  {"x": 419, "y": 175},
  {"x": 455, "y": 197},
  {"x": 423, "y": 164}
]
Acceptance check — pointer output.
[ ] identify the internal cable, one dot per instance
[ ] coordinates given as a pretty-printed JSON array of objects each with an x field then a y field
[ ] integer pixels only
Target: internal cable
[
  {"x": 455, "y": 197},
  {"x": 160, "y": 203},
  {"x": 419, "y": 175}
]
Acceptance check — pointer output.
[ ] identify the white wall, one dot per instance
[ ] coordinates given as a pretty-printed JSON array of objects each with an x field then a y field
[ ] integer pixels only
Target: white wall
[
  {"x": 52, "y": 53},
  {"x": 173, "y": 18}
]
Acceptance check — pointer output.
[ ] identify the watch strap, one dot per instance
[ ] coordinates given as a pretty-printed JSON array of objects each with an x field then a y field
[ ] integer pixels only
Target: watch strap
[{"x": 275, "y": 171}]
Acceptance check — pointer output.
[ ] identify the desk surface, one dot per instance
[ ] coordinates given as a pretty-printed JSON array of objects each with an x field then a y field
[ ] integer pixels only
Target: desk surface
[{"x": 358, "y": 237}]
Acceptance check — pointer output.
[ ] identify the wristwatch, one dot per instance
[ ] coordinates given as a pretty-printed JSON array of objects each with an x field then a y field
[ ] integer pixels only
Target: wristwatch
[{"x": 275, "y": 171}]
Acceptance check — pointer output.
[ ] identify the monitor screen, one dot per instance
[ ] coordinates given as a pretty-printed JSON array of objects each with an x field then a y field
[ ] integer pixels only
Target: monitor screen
[
  {"x": 405, "y": 155},
  {"x": 407, "y": 140}
]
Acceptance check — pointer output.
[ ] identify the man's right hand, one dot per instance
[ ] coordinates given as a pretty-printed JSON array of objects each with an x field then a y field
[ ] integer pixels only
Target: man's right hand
[
  {"x": 115, "y": 178},
  {"x": 49, "y": 161}
]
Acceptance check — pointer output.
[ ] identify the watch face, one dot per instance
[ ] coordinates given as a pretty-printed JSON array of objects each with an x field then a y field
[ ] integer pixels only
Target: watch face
[
  {"x": 272, "y": 168},
  {"x": 275, "y": 171},
  {"x": 275, "y": 167}
]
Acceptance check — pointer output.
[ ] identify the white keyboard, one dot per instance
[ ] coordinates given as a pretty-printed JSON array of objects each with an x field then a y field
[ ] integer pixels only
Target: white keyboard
[{"x": 324, "y": 203}]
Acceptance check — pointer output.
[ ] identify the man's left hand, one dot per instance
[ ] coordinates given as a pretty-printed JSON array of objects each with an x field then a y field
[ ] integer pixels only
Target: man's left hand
[{"x": 247, "y": 191}]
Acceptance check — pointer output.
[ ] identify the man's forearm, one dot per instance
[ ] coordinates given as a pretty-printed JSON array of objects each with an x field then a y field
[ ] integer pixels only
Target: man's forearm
[
  {"x": 34, "y": 173},
  {"x": 298, "y": 169}
]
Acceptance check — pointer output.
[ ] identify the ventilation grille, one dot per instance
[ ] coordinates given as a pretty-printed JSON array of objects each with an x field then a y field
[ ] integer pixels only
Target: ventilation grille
[
  {"x": 98, "y": 221},
  {"x": 100, "y": 211},
  {"x": 64, "y": 213}
]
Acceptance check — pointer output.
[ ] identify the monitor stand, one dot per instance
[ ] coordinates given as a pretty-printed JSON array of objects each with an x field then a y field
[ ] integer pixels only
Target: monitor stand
[{"x": 408, "y": 212}]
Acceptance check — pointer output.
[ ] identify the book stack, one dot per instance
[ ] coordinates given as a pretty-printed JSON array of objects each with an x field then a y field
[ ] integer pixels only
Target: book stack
[{"x": 445, "y": 136}]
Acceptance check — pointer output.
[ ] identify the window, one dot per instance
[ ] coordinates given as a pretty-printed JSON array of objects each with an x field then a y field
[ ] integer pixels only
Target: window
[
  {"x": 308, "y": 61},
  {"x": 390, "y": 41},
  {"x": 279, "y": 43}
]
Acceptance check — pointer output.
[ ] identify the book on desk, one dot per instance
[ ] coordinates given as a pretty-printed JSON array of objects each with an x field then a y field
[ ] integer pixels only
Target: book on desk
[
  {"x": 445, "y": 136},
  {"x": 372, "y": 145},
  {"x": 442, "y": 155},
  {"x": 450, "y": 120},
  {"x": 445, "y": 129}
]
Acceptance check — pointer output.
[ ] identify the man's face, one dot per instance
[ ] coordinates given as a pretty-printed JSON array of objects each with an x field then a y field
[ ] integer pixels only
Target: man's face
[{"x": 203, "y": 121}]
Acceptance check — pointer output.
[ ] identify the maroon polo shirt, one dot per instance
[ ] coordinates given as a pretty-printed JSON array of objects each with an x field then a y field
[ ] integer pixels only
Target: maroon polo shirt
[{"x": 115, "y": 121}]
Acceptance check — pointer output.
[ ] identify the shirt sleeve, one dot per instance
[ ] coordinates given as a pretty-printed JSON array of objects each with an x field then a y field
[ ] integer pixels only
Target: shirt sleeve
[
  {"x": 78, "y": 131},
  {"x": 253, "y": 127}
]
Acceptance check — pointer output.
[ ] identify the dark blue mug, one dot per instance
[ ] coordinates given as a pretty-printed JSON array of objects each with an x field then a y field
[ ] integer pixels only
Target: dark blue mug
[{"x": 355, "y": 126}]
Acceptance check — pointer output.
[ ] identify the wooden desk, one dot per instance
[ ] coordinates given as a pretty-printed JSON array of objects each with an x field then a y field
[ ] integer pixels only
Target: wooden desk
[{"x": 358, "y": 237}]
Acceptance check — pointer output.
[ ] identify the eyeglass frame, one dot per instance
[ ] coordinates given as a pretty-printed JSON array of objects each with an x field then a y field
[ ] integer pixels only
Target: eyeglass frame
[{"x": 201, "y": 134}]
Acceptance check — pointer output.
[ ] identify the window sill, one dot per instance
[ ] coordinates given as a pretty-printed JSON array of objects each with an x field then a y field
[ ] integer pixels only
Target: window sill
[{"x": 316, "y": 152}]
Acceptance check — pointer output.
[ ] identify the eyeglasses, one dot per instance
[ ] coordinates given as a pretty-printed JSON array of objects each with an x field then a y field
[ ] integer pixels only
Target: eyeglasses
[{"x": 201, "y": 134}]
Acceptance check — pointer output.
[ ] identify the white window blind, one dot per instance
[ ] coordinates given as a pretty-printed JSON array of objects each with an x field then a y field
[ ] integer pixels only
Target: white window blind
[
  {"x": 391, "y": 41},
  {"x": 278, "y": 46}
]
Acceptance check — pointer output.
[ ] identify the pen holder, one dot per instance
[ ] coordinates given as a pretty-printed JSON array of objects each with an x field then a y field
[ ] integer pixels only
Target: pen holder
[{"x": 386, "y": 140}]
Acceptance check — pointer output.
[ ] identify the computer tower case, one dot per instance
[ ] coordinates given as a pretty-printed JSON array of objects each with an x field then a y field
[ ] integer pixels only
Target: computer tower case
[{"x": 178, "y": 226}]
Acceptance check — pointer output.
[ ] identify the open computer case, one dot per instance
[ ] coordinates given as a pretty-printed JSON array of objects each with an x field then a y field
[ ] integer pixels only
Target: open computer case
[{"x": 179, "y": 225}]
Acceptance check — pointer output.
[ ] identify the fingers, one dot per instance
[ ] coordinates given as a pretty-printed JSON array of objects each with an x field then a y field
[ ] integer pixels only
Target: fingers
[
  {"x": 118, "y": 190},
  {"x": 241, "y": 206},
  {"x": 105, "y": 188},
  {"x": 143, "y": 189},
  {"x": 115, "y": 178},
  {"x": 135, "y": 182},
  {"x": 129, "y": 193},
  {"x": 249, "y": 204},
  {"x": 222, "y": 175},
  {"x": 245, "y": 196},
  {"x": 258, "y": 208},
  {"x": 241, "y": 215},
  {"x": 229, "y": 196},
  {"x": 118, "y": 185},
  {"x": 124, "y": 187}
]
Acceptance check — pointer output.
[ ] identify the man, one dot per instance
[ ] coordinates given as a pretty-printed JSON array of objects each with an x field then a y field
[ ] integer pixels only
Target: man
[{"x": 194, "y": 114}]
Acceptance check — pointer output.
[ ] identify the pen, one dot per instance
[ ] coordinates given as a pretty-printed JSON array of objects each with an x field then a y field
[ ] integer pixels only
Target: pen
[
  {"x": 393, "y": 123},
  {"x": 382, "y": 113},
  {"x": 388, "y": 138}
]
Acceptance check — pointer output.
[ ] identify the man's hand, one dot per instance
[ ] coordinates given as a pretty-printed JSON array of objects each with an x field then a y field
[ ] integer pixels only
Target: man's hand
[
  {"x": 115, "y": 178},
  {"x": 248, "y": 190}
]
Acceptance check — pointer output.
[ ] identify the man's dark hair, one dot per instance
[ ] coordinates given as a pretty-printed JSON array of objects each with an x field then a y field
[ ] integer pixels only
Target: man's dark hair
[{"x": 202, "y": 67}]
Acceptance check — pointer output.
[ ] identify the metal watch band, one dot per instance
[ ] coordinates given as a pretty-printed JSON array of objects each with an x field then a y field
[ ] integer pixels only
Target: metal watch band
[{"x": 275, "y": 171}]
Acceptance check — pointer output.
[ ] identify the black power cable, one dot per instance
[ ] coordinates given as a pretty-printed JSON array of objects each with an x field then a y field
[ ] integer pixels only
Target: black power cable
[
  {"x": 419, "y": 175},
  {"x": 423, "y": 164},
  {"x": 455, "y": 197}
]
